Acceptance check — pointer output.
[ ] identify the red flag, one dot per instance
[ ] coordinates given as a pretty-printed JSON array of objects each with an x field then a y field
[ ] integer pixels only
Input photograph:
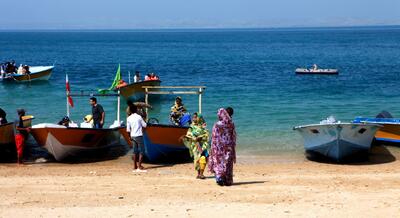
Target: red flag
[{"x": 68, "y": 91}]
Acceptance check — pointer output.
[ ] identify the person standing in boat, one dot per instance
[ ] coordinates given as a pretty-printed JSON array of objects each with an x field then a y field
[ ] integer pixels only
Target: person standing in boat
[
  {"x": 223, "y": 149},
  {"x": 134, "y": 126},
  {"x": 98, "y": 113},
  {"x": 136, "y": 78}
]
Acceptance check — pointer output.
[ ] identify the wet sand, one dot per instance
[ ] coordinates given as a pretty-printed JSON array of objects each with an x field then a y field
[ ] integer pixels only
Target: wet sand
[{"x": 267, "y": 186}]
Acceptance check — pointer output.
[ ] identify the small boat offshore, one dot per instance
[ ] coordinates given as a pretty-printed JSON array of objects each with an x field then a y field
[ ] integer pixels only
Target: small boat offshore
[
  {"x": 316, "y": 70},
  {"x": 35, "y": 73}
]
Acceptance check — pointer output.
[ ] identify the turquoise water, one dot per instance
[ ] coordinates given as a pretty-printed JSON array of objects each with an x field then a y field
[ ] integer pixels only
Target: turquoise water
[{"x": 250, "y": 70}]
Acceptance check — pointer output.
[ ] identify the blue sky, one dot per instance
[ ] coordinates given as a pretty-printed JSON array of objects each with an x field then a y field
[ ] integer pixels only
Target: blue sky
[{"x": 148, "y": 14}]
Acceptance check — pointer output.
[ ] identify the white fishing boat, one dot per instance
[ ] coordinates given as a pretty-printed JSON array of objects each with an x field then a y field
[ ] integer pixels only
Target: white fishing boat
[
  {"x": 73, "y": 141},
  {"x": 316, "y": 70},
  {"x": 338, "y": 140}
]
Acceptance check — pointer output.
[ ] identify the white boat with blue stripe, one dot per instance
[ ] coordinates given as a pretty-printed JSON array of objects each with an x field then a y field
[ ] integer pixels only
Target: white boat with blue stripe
[{"x": 338, "y": 140}]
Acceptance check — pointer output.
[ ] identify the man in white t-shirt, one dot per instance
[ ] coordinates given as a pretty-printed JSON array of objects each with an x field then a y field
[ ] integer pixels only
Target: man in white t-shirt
[{"x": 134, "y": 126}]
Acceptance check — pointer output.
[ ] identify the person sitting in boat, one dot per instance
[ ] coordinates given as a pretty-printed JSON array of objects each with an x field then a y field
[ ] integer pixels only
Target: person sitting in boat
[
  {"x": 153, "y": 76},
  {"x": 147, "y": 77},
  {"x": 136, "y": 78},
  {"x": 315, "y": 67},
  {"x": 26, "y": 69},
  {"x": 87, "y": 121},
  {"x": 10, "y": 67},
  {"x": 121, "y": 84},
  {"x": 177, "y": 112},
  {"x": 64, "y": 121}
]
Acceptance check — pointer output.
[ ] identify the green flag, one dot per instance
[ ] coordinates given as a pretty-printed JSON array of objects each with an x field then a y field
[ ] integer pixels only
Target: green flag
[{"x": 115, "y": 82}]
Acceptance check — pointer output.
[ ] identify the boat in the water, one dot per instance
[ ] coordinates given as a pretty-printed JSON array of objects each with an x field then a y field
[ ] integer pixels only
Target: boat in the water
[
  {"x": 135, "y": 91},
  {"x": 337, "y": 140},
  {"x": 36, "y": 73},
  {"x": 163, "y": 143},
  {"x": 7, "y": 141},
  {"x": 57, "y": 140},
  {"x": 390, "y": 130},
  {"x": 316, "y": 70}
]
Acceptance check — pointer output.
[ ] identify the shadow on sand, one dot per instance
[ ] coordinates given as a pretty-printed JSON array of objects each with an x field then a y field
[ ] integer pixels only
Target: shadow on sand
[
  {"x": 378, "y": 155},
  {"x": 248, "y": 183}
]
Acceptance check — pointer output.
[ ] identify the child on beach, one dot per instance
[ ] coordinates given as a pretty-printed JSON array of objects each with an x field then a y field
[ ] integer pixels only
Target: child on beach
[{"x": 21, "y": 135}]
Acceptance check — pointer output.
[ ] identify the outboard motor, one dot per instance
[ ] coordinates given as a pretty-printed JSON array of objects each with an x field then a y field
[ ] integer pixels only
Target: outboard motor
[{"x": 384, "y": 114}]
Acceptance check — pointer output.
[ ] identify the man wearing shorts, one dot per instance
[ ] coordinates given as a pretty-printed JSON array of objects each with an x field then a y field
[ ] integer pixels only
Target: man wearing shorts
[{"x": 134, "y": 126}]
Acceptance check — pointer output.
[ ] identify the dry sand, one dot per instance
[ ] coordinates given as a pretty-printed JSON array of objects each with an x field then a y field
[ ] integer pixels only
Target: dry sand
[{"x": 269, "y": 186}]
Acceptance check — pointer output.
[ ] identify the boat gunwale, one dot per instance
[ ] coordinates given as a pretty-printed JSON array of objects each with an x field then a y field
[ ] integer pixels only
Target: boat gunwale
[{"x": 335, "y": 124}]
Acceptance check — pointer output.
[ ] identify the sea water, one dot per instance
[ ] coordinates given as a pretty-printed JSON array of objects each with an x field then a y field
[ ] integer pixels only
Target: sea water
[{"x": 251, "y": 70}]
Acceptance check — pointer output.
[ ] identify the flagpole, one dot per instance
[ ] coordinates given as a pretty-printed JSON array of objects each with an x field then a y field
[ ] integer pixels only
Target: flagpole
[
  {"x": 118, "y": 107},
  {"x": 66, "y": 91}
]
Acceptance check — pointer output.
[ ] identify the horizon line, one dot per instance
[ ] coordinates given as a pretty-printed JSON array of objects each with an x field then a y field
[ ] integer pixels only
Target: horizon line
[{"x": 200, "y": 28}]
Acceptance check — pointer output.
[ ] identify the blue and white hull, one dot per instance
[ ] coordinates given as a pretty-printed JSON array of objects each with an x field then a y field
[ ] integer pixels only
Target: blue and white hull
[{"x": 338, "y": 140}]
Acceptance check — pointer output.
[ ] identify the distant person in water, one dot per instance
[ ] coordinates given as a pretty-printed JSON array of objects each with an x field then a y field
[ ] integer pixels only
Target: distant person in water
[
  {"x": 177, "y": 111},
  {"x": 134, "y": 126},
  {"x": 136, "y": 78},
  {"x": 223, "y": 149},
  {"x": 21, "y": 135},
  {"x": 98, "y": 113},
  {"x": 3, "y": 115}
]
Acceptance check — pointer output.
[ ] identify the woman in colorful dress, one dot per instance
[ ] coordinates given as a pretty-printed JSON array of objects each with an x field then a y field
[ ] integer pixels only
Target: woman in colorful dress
[
  {"x": 223, "y": 149},
  {"x": 196, "y": 140}
]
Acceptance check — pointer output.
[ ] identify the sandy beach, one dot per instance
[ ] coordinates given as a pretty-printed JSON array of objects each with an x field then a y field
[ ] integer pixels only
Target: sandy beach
[{"x": 266, "y": 186}]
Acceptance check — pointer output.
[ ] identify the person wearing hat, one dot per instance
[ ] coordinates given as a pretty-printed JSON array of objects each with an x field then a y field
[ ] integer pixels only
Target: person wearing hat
[{"x": 177, "y": 111}]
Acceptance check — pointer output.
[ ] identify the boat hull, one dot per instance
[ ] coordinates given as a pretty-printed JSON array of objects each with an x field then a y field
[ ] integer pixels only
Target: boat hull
[
  {"x": 7, "y": 141},
  {"x": 135, "y": 91},
  {"x": 388, "y": 133},
  {"x": 338, "y": 141},
  {"x": 75, "y": 142},
  {"x": 37, "y": 73},
  {"x": 318, "y": 71},
  {"x": 164, "y": 143}
]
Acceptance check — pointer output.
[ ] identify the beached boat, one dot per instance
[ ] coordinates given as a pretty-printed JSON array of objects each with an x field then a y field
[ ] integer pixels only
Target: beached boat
[
  {"x": 57, "y": 140},
  {"x": 388, "y": 133},
  {"x": 74, "y": 141},
  {"x": 163, "y": 143},
  {"x": 7, "y": 140},
  {"x": 338, "y": 140},
  {"x": 135, "y": 91},
  {"x": 316, "y": 70},
  {"x": 36, "y": 73}
]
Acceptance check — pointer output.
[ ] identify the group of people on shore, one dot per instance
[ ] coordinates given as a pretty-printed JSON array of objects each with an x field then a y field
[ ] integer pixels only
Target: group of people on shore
[{"x": 220, "y": 154}]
